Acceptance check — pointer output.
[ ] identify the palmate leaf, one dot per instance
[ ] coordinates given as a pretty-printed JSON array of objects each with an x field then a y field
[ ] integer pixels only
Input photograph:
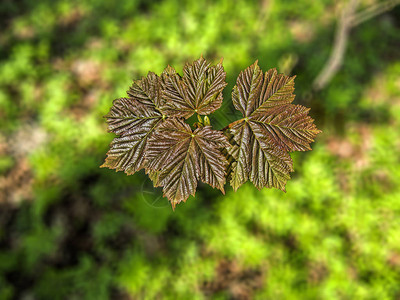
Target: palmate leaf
[
  {"x": 134, "y": 119},
  {"x": 256, "y": 160},
  {"x": 198, "y": 91},
  {"x": 152, "y": 134},
  {"x": 181, "y": 157},
  {"x": 270, "y": 128}
]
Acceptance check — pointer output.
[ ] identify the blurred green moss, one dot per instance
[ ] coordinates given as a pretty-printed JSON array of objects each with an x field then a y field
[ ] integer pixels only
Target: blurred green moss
[{"x": 91, "y": 233}]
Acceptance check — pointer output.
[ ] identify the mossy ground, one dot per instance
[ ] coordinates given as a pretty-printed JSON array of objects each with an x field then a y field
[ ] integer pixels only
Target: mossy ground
[{"x": 70, "y": 230}]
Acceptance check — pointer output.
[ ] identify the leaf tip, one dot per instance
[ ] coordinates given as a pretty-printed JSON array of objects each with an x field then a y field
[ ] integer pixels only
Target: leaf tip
[
  {"x": 221, "y": 188},
  {"x": 106, "y": 164},
  {"x": 234, "y": 186}
]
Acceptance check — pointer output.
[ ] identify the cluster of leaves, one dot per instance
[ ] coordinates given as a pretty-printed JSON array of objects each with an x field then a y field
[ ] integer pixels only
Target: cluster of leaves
[{"x": 152, "y": 133}]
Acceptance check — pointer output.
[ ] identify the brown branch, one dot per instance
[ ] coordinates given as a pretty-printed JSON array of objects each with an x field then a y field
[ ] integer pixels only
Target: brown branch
[
  {"x": 348, "y": 20},
  {"x": 339, "y": 47},
  {"x": 372, "y": 11}
]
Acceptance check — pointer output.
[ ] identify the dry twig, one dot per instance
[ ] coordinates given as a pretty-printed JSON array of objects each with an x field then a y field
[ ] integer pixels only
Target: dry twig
[{"x": 348, "y": 20}]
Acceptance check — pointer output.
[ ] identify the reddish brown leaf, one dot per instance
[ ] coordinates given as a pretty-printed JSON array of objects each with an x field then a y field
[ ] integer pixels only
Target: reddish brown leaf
[
  {"x": 270, "y": 128},
  {"x": 182, "y": 157}
]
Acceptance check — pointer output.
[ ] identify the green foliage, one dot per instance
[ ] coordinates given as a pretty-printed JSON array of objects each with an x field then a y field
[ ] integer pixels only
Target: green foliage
[{"x": 90, "y": 233}]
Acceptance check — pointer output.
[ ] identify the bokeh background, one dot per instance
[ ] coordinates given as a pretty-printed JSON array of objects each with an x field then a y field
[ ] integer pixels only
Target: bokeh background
[{"x": 70, "y": 230}]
